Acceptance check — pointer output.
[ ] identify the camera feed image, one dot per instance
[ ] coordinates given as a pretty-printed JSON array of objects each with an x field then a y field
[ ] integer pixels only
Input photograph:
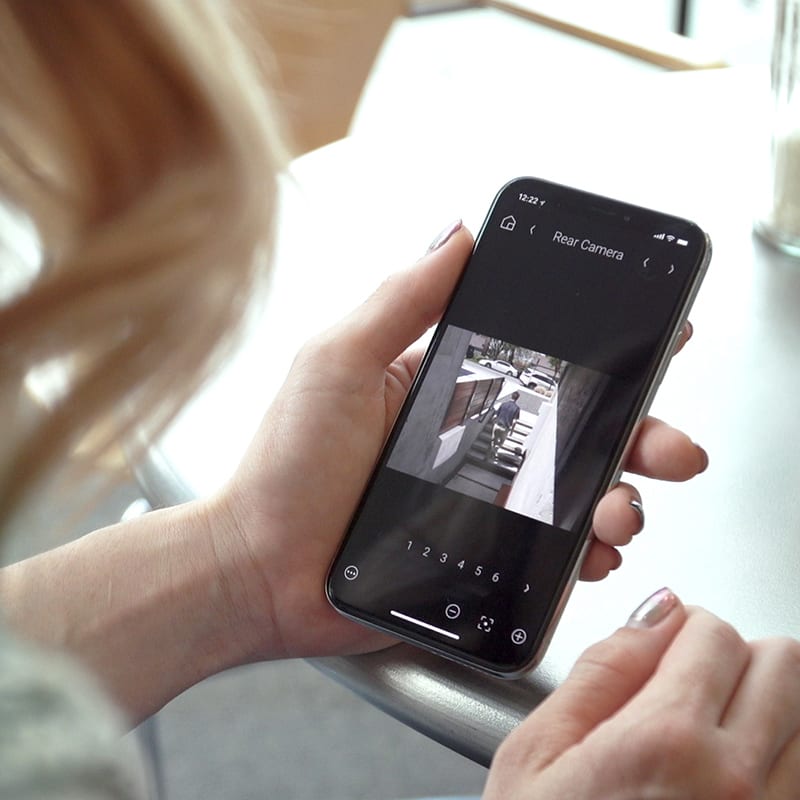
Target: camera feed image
[{"x": 498, "y": 422}]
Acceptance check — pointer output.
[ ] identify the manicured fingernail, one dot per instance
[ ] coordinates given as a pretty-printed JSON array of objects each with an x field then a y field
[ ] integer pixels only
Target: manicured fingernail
[
  {"x": 444, "y": 236},
  {"x": 637, "y": 506},
  {"x": 704, "y": 456},
  {"x": 655, "y": 609}
]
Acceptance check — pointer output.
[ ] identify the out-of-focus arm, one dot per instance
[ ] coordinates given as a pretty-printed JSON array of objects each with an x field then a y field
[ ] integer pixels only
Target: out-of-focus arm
[{"x": 322, "y": 53}]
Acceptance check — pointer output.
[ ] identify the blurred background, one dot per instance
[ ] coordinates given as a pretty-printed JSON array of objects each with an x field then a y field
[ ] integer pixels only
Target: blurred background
[{"x": 739, "y": 30}]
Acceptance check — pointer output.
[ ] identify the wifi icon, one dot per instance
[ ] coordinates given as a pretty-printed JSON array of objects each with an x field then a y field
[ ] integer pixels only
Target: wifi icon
[{"x": 670, "y": 237}]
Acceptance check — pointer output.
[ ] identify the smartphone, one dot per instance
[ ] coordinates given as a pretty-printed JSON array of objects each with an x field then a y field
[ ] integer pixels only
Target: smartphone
[{"x": 472, "y": 529}]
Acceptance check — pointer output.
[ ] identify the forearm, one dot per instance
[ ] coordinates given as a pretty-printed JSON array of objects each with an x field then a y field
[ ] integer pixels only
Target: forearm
[
  {"x": 151, "y": 606},
  {"x": 322, "y": 54}
]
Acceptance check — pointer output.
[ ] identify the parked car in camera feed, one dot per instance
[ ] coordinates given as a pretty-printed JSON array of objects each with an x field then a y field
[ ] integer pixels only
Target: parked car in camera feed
[
  {"x": 538, "y": 380},
  {"x": 499, "y": 366}
]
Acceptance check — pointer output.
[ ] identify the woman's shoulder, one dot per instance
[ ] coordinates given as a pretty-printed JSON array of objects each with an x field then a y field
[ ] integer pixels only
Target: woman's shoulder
[{"x": 59, "y": 735}]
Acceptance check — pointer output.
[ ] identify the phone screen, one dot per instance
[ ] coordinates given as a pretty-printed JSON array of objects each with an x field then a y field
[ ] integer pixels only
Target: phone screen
[{"x": 471, "y": 531}]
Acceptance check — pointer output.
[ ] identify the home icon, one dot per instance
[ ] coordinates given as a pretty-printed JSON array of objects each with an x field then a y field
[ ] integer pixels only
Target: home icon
[{"x": 508, "y": 223}]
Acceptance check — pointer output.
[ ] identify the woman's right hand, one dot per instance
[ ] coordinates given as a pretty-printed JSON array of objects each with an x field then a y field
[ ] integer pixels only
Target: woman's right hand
[{"x": 674, "y": 705}]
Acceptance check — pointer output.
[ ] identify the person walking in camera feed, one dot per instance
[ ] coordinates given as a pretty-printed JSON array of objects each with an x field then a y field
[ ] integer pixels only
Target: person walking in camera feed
[{"x": 507, "y": 415}]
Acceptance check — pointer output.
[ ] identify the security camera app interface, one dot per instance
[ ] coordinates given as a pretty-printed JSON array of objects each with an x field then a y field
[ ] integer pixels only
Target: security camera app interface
[{"x": 479, "y": 508}]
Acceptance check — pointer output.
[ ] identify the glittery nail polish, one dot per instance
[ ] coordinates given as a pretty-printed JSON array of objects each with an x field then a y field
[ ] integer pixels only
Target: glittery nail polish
[
  {"x": 444, "y": 235},
  {"x": 637, "y": 506},
  {"x": 653, "y": 610}
]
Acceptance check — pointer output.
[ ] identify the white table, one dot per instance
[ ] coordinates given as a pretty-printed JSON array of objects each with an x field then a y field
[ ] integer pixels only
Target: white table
[{"x": 688, "y": 143}]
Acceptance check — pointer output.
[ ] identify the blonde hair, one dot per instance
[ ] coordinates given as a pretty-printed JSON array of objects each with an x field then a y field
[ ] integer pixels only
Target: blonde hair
[{"x": 139, "y": 139}]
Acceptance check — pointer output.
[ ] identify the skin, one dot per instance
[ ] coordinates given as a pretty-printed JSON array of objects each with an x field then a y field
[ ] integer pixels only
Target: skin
[
  {"x": 157, "y": 603},
  {"x": 680, "y": 707},
  {"x": 354, "y": 373},
  {"x": 683, "y": 708},
  {"x": 677, "y": 705}
]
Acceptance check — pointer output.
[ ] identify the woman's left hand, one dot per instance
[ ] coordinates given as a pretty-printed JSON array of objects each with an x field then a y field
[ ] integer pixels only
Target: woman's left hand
[{"x": 280, "y": 520}]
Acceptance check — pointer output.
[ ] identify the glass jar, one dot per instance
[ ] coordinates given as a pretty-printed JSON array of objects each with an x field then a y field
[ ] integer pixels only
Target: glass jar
[{"x": 780, "y": 223}]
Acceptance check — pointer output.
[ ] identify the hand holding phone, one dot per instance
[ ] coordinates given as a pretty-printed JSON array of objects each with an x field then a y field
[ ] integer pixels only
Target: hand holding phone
[{"x": 475, "y": 522}]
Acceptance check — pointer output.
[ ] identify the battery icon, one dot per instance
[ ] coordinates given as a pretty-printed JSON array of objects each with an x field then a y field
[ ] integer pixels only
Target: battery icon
[{"x": 682, "y": 242}]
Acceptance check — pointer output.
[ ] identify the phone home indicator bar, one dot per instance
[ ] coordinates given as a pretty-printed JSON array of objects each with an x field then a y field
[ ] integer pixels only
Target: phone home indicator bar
[{"x": 424, "y": 624}]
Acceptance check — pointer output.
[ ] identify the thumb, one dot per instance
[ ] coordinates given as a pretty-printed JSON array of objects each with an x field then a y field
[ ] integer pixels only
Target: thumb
[
  {"x": 408, "y": 302},
  {"x": 603, "y": 679}
]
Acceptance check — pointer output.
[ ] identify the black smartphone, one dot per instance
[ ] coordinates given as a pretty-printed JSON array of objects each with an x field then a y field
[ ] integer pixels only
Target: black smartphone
[{"x": 472, "y": 529}]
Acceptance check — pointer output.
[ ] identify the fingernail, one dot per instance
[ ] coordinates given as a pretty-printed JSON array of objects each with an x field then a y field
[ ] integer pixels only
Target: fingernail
[
  {"x": 655, "y": 609},
  {"x": 637, "y": 506},
  {"x": 442, "y": 238},
  {"x": 688, "y": 331},
  {"x": 704, "y": 457}
]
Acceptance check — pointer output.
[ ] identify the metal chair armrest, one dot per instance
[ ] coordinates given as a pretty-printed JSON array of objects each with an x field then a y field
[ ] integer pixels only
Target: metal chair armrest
[{"x": 458, "y": 707}]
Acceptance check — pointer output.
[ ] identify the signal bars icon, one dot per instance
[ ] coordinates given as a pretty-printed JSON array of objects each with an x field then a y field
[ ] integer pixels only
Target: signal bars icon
[{"x": 670, "y": 238}]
